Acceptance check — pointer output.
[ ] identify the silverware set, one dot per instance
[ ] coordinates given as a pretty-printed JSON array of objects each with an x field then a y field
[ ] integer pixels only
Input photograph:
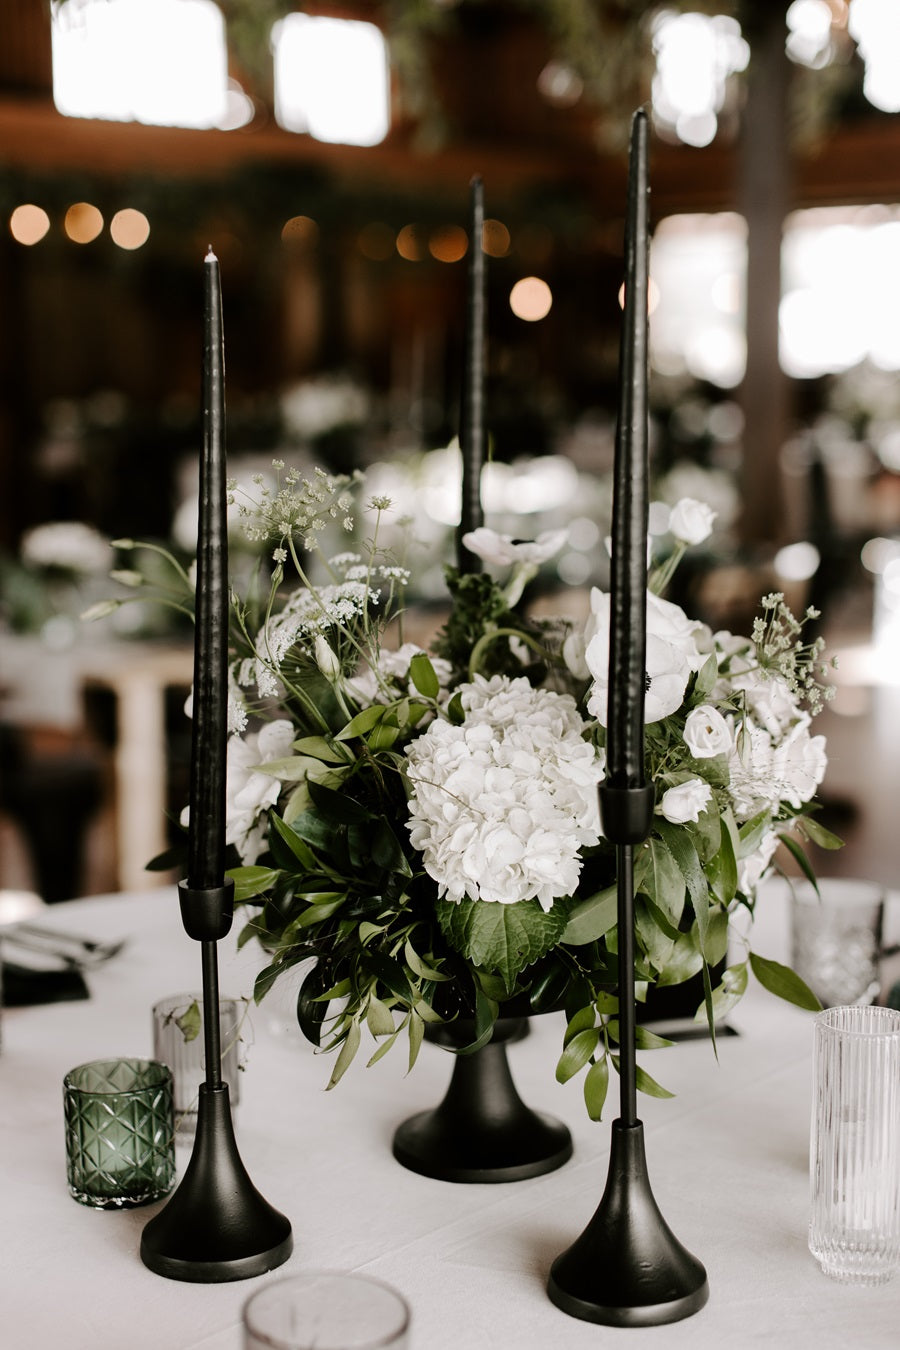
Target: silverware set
[{"x": 74, "y": 951}]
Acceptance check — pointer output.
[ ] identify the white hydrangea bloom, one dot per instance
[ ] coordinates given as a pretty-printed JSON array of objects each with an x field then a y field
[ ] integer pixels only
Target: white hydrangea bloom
[{"x": 502, "y": 804}]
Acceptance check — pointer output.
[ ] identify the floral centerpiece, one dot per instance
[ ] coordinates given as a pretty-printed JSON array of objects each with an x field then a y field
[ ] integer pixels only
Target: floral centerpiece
[{"x": 419, "y": 830}]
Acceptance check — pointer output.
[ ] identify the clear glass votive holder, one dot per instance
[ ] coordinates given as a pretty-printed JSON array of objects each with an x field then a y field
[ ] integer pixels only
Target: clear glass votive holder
[
  {"x": 178, "y": 1041},
  {"x": 854, "y": 1156},
  {"x": 326, "y": 1310},
  {"x": 120, "y": 1137},
  {"x": 836, "y": 938}
]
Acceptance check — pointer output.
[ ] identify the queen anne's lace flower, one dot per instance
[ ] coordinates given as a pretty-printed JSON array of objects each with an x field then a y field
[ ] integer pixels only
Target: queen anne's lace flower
[{"x": 502, "y": 804}]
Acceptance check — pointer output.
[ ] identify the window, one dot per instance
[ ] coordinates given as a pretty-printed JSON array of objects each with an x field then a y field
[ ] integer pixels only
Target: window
[{"x": 331, "y": 79}]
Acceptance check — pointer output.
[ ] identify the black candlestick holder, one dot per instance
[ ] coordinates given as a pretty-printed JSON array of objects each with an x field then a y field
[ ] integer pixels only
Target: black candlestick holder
[
  {"x": 217, "y": 1226},
  {"x": 627, "y": 1269}
]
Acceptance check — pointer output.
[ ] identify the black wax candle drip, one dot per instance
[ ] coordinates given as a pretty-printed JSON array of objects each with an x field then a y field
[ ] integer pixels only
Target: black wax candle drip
[
  {"x": 217, "y": 1226},
  {"x": 471, "y": 417},
  {"x": 627, "y": 1268}
]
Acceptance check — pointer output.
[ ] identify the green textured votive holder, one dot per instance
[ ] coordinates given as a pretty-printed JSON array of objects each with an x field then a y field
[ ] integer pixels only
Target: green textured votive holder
[{"x": 120, "y": 1132}]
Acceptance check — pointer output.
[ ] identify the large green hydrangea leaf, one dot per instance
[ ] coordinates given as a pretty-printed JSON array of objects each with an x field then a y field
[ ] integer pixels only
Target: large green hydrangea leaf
[{"x": 501, "y": 938}]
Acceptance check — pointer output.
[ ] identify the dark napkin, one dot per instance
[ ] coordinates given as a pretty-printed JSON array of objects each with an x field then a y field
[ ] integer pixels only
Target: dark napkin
[{"x": 24, "y": 986}]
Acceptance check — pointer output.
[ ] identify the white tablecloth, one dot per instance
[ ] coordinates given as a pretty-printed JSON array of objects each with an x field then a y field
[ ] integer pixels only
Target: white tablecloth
[{"x": 727, "y": 1159}]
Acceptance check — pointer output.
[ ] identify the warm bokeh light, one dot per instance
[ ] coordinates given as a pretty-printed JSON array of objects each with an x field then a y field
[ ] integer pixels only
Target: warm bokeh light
[
  {"x": 331, "y": 79},
  {"x": 652, "y": 295},
  {"x": 28, "y": 224},
  {"x": 530, "y": 299},
  {"x": 376, "y": 241},
  {"x": 300, "y": 232},
  {"x": 83, "y": 223},
  {"x": 411, "y": 243},
  {"x": 797, "y": 562},
  {"x": 874, "y": 26},
  {"x": 448, "y": 243},
  {"x": 495, "y": 238},
  {"x": 161, "y": 62},
  {"x": 129, "y": 228}
]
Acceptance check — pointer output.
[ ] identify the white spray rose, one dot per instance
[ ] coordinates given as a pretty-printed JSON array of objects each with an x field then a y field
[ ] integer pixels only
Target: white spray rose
[
  {"x": 706, "y": 732},
  {"x": 691, "y": 521},
  {"x": 504, "y": 551},
  {"x": 685, "y": 801}
]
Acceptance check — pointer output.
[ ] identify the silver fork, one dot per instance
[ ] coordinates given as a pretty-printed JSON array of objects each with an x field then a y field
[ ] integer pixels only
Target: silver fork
[{"x": 69, "y": 947}]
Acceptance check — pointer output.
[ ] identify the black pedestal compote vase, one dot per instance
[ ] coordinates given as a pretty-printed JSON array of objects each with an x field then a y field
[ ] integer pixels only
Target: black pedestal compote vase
[{"x": 482, "y": 1131}]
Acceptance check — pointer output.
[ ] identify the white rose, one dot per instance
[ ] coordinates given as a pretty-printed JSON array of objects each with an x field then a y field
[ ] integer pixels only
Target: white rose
[
  {"x": 707, "y": 733},
  {"x": 685, "y": 802},
  {"x": 691, "y": 521},
  {"x": 672, "y": 656},
  {"x": 249, "y": 790}
]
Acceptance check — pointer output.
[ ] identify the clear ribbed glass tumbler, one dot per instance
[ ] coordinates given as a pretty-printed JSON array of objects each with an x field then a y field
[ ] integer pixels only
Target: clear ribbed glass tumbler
[{"x": 854, "y": 1226}]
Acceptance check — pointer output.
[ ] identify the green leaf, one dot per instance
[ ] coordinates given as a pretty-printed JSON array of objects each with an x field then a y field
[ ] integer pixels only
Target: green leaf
[
  {"x": 644, "y": 1039},
  {"x": 591, "y": 918},
  {"x": 264, "y": 981},
  {"x": 680, "y": 845},
  {"x": 315, "y": 914},
  {"x": 655, "y": 933},
  {"x": 422, "y": 674},
  {"x": 583, "y": 1020},
  {"x": 800, "y": 858},
  {"x": 818, "y": 833},
  {"x": 252, "y": 881},
  {"x": 385, "y": 1046},
  {"x": 649, "y": 1086},
  {"x": 684, "y": 961},
  {"x": 346, "y": 1055},
  {"x": 336, "y": 806},
  {"x": 383, "y": 736},
  {"x": 577, "y": 1053},
  {"x": 297, "y": 846},
  {"x": 721, "y": 870},
  {"x": 784, "y": 982},
  {"x": 190, "y": 1022},
  {"x": 657, "y": 873},
  {"x": 379, "y": 1018},
  {"x": 502, "y": 938},
  {"x": 419, "y": 967},
  {"x": 729, "y": 993},
  {"x": 706, "y": 679},
  {"x": 416, "y": 1035},
  {"x": 596, "y": 1084},
  {"x": 753, "y": 831},
  {"x": 391, "y": 974},
  {"x": 362, "y": 723},
  {"x": 319, "y": 748}
]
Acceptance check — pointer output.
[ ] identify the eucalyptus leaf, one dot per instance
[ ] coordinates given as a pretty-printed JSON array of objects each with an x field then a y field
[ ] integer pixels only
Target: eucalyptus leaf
[
  {"x": 583, "y": 1020},
  {"x": 648, "y": 1085},
  {"x": 420, "y": 967},
  {"x": 801, "y": 859},
  {"x": 385, "y": 1046},
  {"x": 416, "y": 1036},
  {"x": 727, "y": 995},
  {"x": 378, "y": 1017}
]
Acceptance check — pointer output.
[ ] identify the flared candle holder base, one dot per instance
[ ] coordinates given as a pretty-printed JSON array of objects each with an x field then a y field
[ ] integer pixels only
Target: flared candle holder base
[
  {"x": 482, "y": 1131},
  {"x": 627, "y": 1269}
]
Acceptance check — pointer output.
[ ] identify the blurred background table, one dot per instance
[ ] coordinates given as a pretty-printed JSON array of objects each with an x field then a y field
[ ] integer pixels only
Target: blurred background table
[{"x": 727, "y": 1157}]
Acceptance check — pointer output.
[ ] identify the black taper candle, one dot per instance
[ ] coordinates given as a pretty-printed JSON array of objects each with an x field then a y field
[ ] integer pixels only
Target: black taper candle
[
  {"x": 628, "y": 576},
  {"x": 206, "y": 842},
  {"x": 217, "y": 1226},
  {"x": 627, "y": 1268},
  {"x": 471, "y": 417}
]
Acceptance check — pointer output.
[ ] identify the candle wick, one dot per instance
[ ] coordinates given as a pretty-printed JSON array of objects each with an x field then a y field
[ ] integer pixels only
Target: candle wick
[{"x": 210, "y": 256}]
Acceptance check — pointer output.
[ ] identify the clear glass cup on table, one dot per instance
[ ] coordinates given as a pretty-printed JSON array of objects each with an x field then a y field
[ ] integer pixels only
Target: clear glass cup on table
[
  {"x": 120, "y": 1134},
  {"x": 836, "y": 938},
  {"x": 854, "y": 1156},
  {"x": 178, "y": 1041},
  {"x": 326, "y": 1310}
]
